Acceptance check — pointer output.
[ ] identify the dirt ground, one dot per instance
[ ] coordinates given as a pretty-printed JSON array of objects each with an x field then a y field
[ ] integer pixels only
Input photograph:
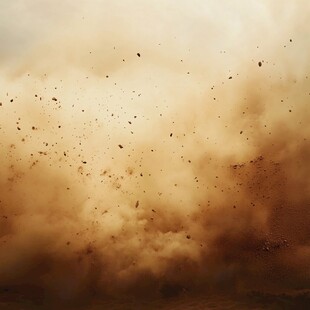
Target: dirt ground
[{"x": 301, "y": 300}]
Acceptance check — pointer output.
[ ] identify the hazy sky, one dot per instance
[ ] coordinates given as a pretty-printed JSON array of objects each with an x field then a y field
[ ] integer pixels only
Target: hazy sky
[{"x": 153, "y": 142}]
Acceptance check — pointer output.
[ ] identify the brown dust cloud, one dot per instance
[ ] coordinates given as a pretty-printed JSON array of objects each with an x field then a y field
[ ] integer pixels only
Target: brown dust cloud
[{"x": 153, "y": 149}]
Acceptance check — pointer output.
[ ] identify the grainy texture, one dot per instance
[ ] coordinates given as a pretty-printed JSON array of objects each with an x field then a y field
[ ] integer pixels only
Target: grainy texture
[{"x": 154, "y": 149}]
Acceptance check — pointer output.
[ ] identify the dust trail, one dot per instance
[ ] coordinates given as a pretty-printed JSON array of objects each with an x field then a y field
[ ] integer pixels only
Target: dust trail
[{"x": 154, "y": 148}]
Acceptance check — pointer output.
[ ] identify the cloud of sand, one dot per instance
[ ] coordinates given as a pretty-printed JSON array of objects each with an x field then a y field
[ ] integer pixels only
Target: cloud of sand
[{"x": 154, "y": 143}]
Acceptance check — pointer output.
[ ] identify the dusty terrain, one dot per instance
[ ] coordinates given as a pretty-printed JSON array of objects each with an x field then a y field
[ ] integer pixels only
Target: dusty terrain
[{"x": 257, "y": 301}]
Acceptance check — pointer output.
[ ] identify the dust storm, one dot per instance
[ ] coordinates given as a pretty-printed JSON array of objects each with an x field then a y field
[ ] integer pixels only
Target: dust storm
[{"x": 154, "y": 148}]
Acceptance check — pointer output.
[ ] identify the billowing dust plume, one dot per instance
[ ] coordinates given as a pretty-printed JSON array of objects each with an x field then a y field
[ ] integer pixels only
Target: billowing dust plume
[{"x": 148, "y": 145}]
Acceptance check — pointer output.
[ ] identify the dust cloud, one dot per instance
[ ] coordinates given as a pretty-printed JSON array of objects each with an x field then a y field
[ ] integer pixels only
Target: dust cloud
[{"x": 154, "y": 148}]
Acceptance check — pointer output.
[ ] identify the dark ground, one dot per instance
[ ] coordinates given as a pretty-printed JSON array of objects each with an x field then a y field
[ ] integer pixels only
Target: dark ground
[{"x": 13, "y": 300}]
